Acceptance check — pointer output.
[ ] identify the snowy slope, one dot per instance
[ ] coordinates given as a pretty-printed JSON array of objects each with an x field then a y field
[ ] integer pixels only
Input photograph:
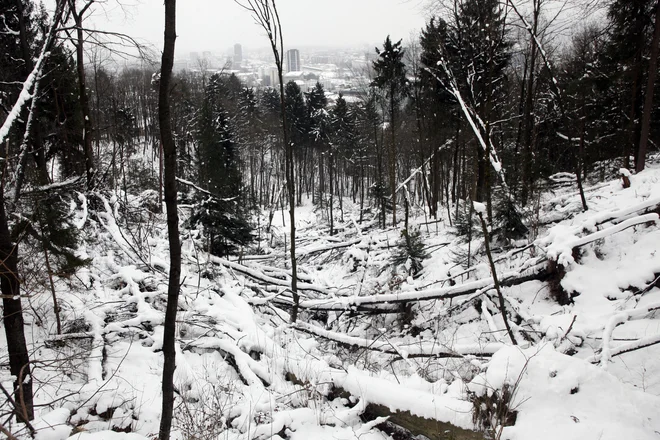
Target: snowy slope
[{"x": 584, "y": 370}]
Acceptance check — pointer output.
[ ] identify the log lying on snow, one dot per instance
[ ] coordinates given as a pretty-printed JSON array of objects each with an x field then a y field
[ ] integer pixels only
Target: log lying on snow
[
  {"x": 260, "y": 276},
  {"x": 431, "y": 429},
  {"x": 536, "y": 272},
  {"x": 412, "y": 420},
  {"x": 559, "y": 251},
  {"x": 438, "y": 417},
  {"x": 430, "y": 349},
  {"x": 250, "y": 370},
  {"x": 307, "y": 250},
  {"x": 62, "y": 340}
]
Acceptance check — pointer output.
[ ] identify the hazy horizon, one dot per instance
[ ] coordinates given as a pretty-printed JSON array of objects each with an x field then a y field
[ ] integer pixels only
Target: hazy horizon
[{"x": 215, "y": 26}]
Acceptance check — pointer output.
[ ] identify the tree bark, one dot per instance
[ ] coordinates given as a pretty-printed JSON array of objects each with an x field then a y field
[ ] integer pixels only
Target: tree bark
[
  {"x": 648, "y": 102},
  {"x": 82, "y": 90},
  {"x": 169, "y": 183},
  {"x": 496, "y": 283},
  {"x": 19, "y": 360}
]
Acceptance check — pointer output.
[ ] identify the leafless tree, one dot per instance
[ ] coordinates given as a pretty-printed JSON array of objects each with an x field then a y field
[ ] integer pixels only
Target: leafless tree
[
  {"x": 169, "y": 183},
  {"x": 266, "y": 15}
]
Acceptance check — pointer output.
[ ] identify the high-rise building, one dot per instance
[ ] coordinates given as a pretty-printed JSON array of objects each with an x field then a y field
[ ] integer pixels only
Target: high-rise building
[
  {"x": 292, "y": 60},
  {"x": 238, "y": 53},
  {"x": 273, "y": 75}
]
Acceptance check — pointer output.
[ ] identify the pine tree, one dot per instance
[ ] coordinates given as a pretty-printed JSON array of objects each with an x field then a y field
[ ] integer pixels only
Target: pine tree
[
  {"x": 371, "y": 134},
  {"x": 410, "y": 252},
  {"x": 296, "y": 116},
  {"x": 391, "y": 80},
  {"x": 219, "y": 209}
]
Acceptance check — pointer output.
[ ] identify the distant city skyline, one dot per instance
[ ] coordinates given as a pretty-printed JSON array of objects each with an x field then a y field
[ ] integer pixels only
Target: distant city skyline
[{"x": 210, "y": 25}]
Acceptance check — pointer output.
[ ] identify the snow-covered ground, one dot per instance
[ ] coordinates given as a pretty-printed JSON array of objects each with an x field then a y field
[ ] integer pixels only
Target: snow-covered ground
[{"x": 585, "y": 370}]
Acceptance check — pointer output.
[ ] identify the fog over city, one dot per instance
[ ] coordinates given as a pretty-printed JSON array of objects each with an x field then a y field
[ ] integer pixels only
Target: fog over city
[{"x": 211, "y": 25}]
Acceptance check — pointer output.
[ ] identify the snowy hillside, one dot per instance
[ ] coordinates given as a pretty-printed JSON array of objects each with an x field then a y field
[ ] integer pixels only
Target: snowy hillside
[{"x": 429, "y": 351}]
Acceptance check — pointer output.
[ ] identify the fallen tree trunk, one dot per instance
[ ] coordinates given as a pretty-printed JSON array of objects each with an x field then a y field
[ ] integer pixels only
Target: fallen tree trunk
[
  {"x": 354, "y": 303},
  {"x": 432, "y": 349},
  {"x": 250, "y": 371},
  {"x": 432, "y": 429},
  {"x": 260, "y": 276},
  {"x": 416, "y": 425}
]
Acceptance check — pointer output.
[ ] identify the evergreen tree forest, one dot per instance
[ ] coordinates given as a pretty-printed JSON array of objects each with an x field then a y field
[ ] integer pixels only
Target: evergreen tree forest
[{"x": 464, "y": 126}]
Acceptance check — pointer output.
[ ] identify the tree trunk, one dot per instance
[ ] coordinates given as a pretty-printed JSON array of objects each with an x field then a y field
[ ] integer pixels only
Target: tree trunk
[
  {"x": 528, "y": 118},
  {"x": 82, "y": 90},
  {"x": 331, "y": 204},
  {"x": 496, "y": 283},
  {"x": 169, "y": 183},
  {"x": 648, "y": 102},
  {"x": 393, "y": 159},
  {"x": 19, "y": 360}
]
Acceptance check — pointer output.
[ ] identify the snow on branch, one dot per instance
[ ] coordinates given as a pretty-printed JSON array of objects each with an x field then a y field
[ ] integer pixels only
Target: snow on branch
[
  {"x": 208, "y": 193},
  {"x": 562, "y": 245},
  {"x": 33, "y": 77},
  {"x": 618, "y": 319},
  {"x": 260, "y": 276},
  {"x": 473, "y": 119}
]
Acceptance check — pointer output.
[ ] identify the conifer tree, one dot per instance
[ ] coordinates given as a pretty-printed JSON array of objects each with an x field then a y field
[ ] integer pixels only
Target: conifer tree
[
  {"x": 297, "y": 115},
  {"x": 391, "y": 80},
  {"x": 220, "y": 209}
]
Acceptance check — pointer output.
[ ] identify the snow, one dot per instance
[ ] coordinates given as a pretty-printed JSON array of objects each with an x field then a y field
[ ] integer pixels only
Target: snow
[
  {"x": 106, "y": 435},
  {"x": 590, "y": 369},
  {"x": 479, "y": 208},
  {"x": 558, "y": 396}
]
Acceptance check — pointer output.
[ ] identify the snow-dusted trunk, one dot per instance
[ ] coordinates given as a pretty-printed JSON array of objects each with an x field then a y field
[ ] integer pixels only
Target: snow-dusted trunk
[
  {"x": 32, "y": 78},
  {"x": 25, "y": 144},
  {"x": 276, "y": 38},
  {"x": 169, "y": 183},
  {"x": 392, "y": 155},
  {"x": 19, "y": 359},
  {"x": 266, "y": 15},
  {"x": 527, "y": 179}
]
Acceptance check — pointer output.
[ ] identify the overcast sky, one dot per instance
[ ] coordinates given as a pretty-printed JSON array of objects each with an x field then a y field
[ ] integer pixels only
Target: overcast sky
[{"x": 215, "y": 25}]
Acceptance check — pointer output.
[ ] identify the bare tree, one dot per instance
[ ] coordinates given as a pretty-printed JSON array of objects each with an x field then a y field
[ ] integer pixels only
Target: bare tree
[
  {"x": 169, "y": 183},
  {"x": 554, "y": 84},
  {"x": 266, "y": 15},
  {"x": 78, "y": 15}
]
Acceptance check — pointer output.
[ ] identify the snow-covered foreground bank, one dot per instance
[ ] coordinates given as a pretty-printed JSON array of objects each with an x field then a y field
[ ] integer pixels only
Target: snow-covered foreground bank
[{"x": 371, "y": 338}]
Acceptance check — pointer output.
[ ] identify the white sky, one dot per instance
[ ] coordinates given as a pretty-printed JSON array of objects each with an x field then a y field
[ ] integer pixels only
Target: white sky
[{"x": 215, "y": 25}]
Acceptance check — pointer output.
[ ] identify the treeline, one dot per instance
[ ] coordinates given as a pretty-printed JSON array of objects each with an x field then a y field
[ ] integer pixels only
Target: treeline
[{"x": 541, "y": 107}]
